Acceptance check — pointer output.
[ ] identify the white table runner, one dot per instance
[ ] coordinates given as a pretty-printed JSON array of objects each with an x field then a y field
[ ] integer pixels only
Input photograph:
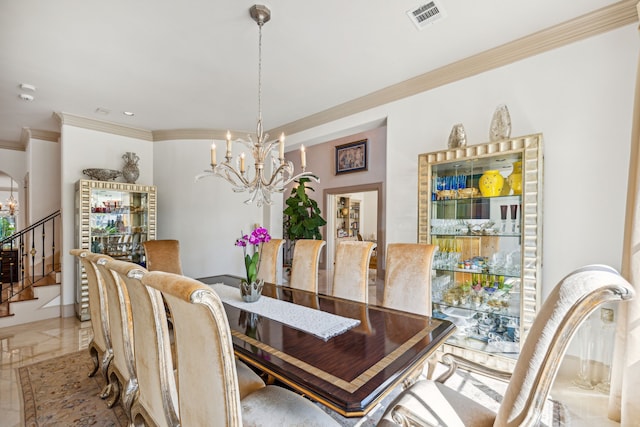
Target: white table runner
[{"x": 318, "y": 323}]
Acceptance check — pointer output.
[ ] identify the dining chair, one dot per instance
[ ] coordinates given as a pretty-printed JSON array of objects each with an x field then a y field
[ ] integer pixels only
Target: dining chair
[
  {"x": 100, "y": 346},
  {"x": 407, "y": 279},
  {"x": 351, "y": 270},
  {"x": 163, "y": 255},
  {"x": 208, "y": 390},
  {"x": 157, "y": 402},
  {"x": 431, "y": 403},
  {"x": 268, "y": 270},
  {"x": 304, "y": 266},
  {"x": 122, "y": 374}
]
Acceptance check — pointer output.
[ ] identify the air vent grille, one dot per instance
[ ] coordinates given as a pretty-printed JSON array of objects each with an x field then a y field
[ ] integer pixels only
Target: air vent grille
[{"x": 426, "y": 14}]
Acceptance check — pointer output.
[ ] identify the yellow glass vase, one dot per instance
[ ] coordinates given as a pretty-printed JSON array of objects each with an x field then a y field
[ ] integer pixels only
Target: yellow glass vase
[
  {"x": 491, "y": 183},
  {"x": 515, "y": 179}
]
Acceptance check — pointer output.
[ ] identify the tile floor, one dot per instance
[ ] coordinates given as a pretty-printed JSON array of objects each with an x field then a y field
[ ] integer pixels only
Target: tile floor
[{"x": 33, "y": 342}]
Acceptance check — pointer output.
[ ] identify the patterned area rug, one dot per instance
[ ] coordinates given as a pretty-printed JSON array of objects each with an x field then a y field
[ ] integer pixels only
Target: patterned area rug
[{"x": 58, "y": 392}]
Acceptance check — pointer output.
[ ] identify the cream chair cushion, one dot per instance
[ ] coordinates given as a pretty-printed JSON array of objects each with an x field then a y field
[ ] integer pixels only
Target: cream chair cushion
[
  {"x": 407, "y": 280},
  {"x": 269, "y": 260},
  {"x": 304, "y": 267},
  {"x": 207, "y": 379},
  {"x": 163, "y": 255},
  {"x": 351, "y": 270}
]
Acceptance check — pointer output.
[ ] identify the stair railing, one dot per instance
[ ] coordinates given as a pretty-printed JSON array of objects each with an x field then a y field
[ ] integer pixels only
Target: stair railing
[{"x": 18, "y": 265}]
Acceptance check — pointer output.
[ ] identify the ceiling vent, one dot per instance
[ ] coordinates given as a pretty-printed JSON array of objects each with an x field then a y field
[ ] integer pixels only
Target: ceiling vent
[{"x": 426, "y": 14}]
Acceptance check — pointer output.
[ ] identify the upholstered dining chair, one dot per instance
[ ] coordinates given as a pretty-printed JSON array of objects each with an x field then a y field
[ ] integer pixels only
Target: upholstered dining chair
[
  {"x": 431, "y": 403},
  {"x": 304, "y": 266},
  {"x": 100, "y": 345},
  {"x": 157, "y": 402},
  {"x": 208, "y": 388},
  {"x": 268, "y": 270},
  {"x": 122, "y": 374},
  {"x": 407, "y": 278},
  {"x": 163, "y": 255},
  {"x": 351, "y": 270}
]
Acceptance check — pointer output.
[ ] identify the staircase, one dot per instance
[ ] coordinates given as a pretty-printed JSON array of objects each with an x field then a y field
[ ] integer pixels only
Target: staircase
[{"x": 30, "y": 273}]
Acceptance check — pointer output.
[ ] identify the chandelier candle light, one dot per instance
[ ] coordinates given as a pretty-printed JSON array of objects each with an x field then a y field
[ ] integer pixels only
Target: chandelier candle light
[{"x": 260, "y": 186}]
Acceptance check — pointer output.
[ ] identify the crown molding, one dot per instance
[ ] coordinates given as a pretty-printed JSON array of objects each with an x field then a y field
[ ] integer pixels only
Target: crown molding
[
  {"x": 597, "y": 22},
  {"x": 101, "y": 126},
  {"x": 177, "y": 134},
  {"x": 44, "y": 135},
  {"x": 12, "y": 145}
]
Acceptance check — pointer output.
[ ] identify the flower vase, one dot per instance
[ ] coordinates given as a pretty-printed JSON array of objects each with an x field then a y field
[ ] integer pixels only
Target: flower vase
[
  {"x": 251, "y": 292},
  {"x": 457, "y": 137},
  {"x": 491, "y": 183},
  {"x": 130, "y": 170},
  {"x": 500, "y": 124},
  {"x": 515, "y": 179}
]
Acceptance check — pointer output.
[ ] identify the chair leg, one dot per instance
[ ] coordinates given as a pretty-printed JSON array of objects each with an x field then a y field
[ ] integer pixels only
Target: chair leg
[{"x": 431, "y": 366}]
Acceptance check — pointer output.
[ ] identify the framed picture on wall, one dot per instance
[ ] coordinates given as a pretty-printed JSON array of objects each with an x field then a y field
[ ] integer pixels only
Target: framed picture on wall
[{"x": 351, "y": 157}]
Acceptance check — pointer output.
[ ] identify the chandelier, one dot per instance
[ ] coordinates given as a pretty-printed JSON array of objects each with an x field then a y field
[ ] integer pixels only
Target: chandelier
[
  {"x": 12, "y": 203},
  {"x": 261, "y": 185}
]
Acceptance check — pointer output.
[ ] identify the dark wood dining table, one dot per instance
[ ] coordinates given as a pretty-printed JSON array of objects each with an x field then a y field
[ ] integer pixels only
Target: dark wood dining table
[{"x": 349, "y": 373}]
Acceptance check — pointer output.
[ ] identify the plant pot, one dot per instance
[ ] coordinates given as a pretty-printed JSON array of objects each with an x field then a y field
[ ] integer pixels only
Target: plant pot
[{"x": 251, "y": 292}]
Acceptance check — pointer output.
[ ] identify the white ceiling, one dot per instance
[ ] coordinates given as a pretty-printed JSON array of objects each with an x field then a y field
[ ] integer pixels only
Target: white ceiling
[{"x": 193, "y": 64}]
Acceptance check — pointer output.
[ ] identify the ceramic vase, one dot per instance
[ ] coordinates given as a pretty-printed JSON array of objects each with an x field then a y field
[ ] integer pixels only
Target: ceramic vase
[
  {"x": 491, "y": 183},
  {"x": 515, "y": 179},
  {"x": 130, "y": 170},
  {"x": 500, "y": 124},
  {"x": 251, "y": 292},
  {"x": 457, "y": 137}
]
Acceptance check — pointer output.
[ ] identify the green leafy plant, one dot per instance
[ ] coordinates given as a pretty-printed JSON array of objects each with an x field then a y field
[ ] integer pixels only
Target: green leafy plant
[{"x": 303, "y": 214}]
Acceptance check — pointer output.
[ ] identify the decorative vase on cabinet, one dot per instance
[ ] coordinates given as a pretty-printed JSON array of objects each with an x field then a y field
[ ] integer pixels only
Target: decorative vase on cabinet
[
  {"x": 487, "y": 265},
  {"x": 112, "y": 218}
]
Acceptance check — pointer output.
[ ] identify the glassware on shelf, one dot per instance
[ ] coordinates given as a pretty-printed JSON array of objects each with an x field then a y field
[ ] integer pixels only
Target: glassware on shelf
[
  {"x": 606, "y": 342},
  {"x": 514, "y": 214},
  {"x": 503, "y": 217},
  {"x": 583, "y": 378}
]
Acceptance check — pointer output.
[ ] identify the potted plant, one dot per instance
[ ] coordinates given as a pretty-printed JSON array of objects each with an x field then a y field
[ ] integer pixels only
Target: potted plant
[{"x": 302, "y": 216}]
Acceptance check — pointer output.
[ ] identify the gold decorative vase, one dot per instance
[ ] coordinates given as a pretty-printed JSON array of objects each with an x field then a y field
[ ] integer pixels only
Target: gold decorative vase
[
  {"x": 491, "y": 183},
  {"x": 515, "y": 179}
]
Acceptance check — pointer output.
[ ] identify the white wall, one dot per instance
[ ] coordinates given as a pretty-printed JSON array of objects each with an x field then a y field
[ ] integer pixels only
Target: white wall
[
  {"x": 206, "y": 216},
  {"x": 81, "y": 149},
  {"x": 579, "y": 96},
  {"x": 43, "y": 158}
]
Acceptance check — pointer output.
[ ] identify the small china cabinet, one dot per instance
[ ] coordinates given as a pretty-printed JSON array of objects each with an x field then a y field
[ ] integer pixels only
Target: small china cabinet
[
  {"x": 481, "y": 206},
  {"x": 348, "y": 217},
  {"x": 112, "y": 218}
]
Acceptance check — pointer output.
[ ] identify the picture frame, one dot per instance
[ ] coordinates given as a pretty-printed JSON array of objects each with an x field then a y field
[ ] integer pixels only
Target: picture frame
[{"x": 351, "y": 157}]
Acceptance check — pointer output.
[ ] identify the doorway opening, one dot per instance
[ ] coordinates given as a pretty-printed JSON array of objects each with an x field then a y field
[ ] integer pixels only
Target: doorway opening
[{"x": 354, "y": 213}]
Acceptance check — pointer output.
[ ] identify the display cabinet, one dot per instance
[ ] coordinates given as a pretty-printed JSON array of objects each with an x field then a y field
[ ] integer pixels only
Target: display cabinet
[
  {"x": 481, "y": 206},
  {"x": 114, "y": 219}
]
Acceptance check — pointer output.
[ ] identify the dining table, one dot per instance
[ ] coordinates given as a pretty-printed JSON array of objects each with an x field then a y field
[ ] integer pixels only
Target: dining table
[{"x": 350, "y": 370}]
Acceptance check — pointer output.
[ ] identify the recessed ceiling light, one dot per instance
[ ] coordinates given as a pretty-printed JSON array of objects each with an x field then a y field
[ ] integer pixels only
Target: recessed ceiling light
[
  {"x": 26, "y": 86},
  {"x": 101, "y": 110},
  {"x": 26, "y": 97},
  {"x": 128, "y": 113}
]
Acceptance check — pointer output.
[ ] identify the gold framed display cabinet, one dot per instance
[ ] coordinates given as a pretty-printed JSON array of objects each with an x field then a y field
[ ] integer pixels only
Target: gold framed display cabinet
[
  {"x": 482, "y": 206},
  {"x": 112, "y": 218}
]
